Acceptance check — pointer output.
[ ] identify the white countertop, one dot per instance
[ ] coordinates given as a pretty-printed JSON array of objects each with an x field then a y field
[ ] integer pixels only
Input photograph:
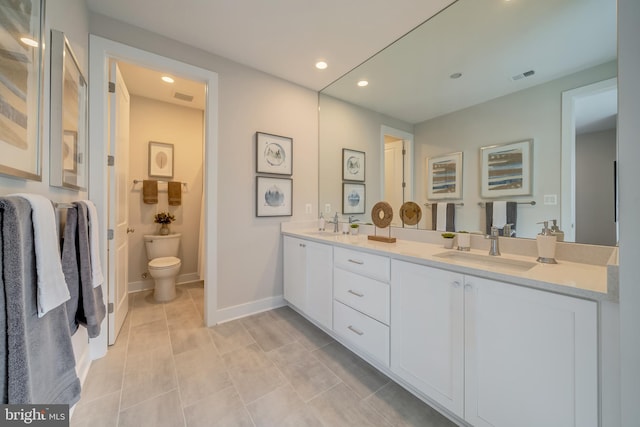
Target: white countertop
[{"x": 568, "y": 278}]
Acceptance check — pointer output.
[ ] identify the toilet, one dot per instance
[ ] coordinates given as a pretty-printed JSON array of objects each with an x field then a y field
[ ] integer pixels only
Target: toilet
[{"x": 164, "y": 264}]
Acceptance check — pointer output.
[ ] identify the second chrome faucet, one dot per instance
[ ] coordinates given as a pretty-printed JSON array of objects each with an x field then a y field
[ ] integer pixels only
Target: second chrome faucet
[{"x": 495, "y": 243}]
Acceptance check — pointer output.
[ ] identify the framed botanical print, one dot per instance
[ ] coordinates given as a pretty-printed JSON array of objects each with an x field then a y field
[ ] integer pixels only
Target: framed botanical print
[{"x": 160, "y": 160}]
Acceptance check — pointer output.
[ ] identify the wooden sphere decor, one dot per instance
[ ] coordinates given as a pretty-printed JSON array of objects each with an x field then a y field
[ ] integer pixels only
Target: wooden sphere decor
[
  {"x": 382, "y": 214},
  {"x": 410, "y": 213}
]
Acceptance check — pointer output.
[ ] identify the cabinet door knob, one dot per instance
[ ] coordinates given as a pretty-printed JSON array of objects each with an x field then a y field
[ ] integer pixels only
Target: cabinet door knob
[
  {"x": 354, "y": 330},
  {"x": 302, "y": 245},
  {"x": 468, "y": 287}
]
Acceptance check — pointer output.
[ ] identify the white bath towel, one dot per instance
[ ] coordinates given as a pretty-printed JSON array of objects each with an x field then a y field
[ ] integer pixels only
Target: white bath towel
[
  {"x": 441, "y": 220},
  {"x": 97, "y": 277},
  {"x": 52, "y": 287},
  {"x": 499, "y": 214}
]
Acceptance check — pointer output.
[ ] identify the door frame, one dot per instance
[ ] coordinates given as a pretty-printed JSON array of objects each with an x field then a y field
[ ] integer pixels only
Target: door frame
[
  {"x": 408, "y": 175},
  {"x": 100, "y": 51}
]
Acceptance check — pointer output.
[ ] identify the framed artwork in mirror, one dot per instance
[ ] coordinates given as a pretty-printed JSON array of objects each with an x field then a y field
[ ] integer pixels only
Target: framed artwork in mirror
[
  {"x": 274, "y": 154},
  {"x": 444, "y": 177},
  {"x": 21, "y": 88},
  {"x": 353, "y": 165},
  {"x": 506, "y": 169},
  {"x": 69, "y": 118},
  {"x": 160, "y": 160},
  {"x": 353, "y": 198},
  {"x": 274, "y": 196}
]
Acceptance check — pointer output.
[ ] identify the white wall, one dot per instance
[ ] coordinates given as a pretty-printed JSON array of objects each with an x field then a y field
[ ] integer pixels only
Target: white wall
[
  {"x": 153, "y": 120},
  {"x": 344, "y": 125},
  {"x": 595, "y": 200},
  {"x": 70, "y": 17},
  {"x": 250, "y": 253},
  {"x": 533, "y": 113},
  {"x": 628, "y": 155}
]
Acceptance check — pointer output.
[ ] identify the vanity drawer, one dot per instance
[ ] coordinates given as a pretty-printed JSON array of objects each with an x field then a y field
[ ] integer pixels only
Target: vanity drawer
[
  {"x": 374, "y": 266},
  {"x": 366, "y": 295},
  {"x": 364, "y": 332}
]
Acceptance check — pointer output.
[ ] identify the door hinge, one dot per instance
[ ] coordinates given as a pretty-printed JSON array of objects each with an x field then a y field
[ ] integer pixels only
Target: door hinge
[
  {"x": 112, "y": 87},
  {"x": 404, "y": 152},
  {"x": 110, "y": 308},
  {"x": 404, "y": 185},
  {"x": 110, "y": 234},
  {"x": 111, "y": 160}
]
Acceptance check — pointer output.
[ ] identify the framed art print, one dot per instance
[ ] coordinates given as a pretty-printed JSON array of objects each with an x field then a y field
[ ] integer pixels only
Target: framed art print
[
  {"x": 506, "y": 169},
  {"x": 274, "y": 196},
  {"x": 444, "y": 177},
  {"x": 353, "y": 198},
  {"x": 160, "y": 160},
  {"x": 274, "y": 154},
  {"x": 353, "y": 165}
]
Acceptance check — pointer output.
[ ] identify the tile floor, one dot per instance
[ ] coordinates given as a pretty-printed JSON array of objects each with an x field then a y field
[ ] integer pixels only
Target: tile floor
[{"x": 271, "y": 369}]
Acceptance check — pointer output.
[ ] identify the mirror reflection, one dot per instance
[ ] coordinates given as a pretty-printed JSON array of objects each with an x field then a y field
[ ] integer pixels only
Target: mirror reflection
[{"x": 485, "y": 73}]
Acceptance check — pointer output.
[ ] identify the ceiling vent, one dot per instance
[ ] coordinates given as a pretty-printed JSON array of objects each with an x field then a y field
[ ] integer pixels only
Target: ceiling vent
[
  {"x": 523, "y": 75},
  {"x": 183, "y": 96}
]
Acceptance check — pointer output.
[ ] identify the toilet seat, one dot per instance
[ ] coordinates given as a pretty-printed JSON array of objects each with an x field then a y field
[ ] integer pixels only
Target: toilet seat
[{"x": 164, "y": 262}]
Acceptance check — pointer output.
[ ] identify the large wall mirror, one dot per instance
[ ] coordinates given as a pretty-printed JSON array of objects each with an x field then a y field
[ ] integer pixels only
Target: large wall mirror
[{"x": 483, "y": 73}]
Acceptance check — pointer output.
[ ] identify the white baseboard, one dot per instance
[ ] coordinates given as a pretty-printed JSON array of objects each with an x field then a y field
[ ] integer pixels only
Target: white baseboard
[
  {"x": 143, "y": 285},
  {"x": 242, "y": 310}
]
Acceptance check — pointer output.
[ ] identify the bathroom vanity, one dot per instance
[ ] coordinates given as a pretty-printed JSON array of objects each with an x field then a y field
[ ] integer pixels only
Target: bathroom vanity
[{"x": 489, "y": 341}]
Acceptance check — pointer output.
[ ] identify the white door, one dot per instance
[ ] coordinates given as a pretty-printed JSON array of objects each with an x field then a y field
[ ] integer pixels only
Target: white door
[
  {"x": 394, "y": 177},
  {"x": 531, "y": 357},
  {"x": 427, "y": 335},
  {"x": 118, "y": 203}
]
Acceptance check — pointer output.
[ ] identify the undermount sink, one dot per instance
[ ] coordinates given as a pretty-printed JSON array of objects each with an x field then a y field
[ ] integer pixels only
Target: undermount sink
[{"x": 487, "y": 261}]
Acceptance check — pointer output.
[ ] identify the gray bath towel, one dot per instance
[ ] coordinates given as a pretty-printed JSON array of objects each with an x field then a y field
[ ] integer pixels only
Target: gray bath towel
[
  {"x": 512, "y": 217},
  {"x": 40, "y": 364},
  {"x": 86, "y": 306}
]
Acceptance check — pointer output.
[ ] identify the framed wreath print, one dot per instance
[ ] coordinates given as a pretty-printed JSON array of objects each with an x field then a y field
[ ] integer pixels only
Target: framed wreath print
[
  {"x": 69, "y": 144},
  {"x": 274, "y": 196},
  {"x": 22, "y": 49},
  {"x": 274, "y": 154},
  {"x": 160, "y": 160},
  {"x": 353, "y": 198},
  {"x": 353, "y": 165},
  {"x": 506, "y": 169},
  {"x": 444, "y": 177}
]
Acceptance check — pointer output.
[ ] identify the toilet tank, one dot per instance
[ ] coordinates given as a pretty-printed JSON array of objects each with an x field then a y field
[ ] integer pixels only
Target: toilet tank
[{"x": 162, "y": 246}]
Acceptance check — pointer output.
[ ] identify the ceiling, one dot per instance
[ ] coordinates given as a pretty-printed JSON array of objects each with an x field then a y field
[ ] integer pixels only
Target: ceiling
[{"x": 284, "y": 38}]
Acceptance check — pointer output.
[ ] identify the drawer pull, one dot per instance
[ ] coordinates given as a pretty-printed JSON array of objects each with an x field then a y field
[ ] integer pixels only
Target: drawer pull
[
  {"x": 356, "y": 261},
  {"x": 358, "y": 294},
  {"x": 352, "y": 329}
]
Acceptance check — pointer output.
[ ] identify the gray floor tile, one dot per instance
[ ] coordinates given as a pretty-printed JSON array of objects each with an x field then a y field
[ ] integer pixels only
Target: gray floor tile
[
  {"x": 224, "y": 408},
  {"x": 102, "y": 412},
  {"x": 146, "y": 314},
  {"x": 201, "y": 373},
  {"x": 402, "y": 409},
  {"x": 230, "y": 336},
  {"x": 161, "y": 411},
  {"x": 105, "y": 375},
  {"x": 308, "y": 376},
  {"x": 341, "y": 406},
  {"x": 274, "y": 408},
  {"x": 149, "y": 336},
  {"x": 258, "y": 319},
  {"x": 270, "y": 335},
  {"x": 361, "y": 377},
  {"x": 189, "y": 338},
  {"x": 147, "y": 375},
  {"x": 305, "y": 332}
]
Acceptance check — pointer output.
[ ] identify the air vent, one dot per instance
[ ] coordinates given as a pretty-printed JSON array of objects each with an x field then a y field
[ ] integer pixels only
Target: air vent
[
  {"x": 523, "y": 75},
  {"x": 183, "y": 96}
]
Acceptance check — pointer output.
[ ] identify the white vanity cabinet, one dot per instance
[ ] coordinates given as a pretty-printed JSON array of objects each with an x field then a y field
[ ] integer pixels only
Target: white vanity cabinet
[
  {"x": 530, "y": 357},
  {"x": 308, "y": 278},
  {"x": 427, "y": 332},
  {"x": 361, "y": 301}
]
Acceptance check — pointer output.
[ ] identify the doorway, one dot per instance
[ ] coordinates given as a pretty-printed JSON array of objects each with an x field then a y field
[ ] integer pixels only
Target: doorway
[
  {"x": 397, "y": 169},
  {"x": 102, "y": 51}
]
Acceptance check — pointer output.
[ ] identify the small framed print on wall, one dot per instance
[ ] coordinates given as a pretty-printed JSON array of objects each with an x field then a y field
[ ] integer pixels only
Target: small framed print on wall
[
  {"x": 274, "y": 196},
  {"x": 444, "y": 177},
  {"x": 160, "y": 160},
  {"x": 274, "y": 154},
  {"x": 506, "y": 169},
  {"x": 353, "y": 165},
  {"x": 353, "y": 198}
]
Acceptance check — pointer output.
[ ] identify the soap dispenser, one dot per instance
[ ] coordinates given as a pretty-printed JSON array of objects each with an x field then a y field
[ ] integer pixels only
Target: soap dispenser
[
  {"x": 546, "y": 245},
  {"x": 321, "y": 223},
  {"x": 555, "y": 231}
]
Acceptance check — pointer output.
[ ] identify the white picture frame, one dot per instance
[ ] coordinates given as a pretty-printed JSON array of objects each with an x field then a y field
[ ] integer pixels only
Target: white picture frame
[
  {"x": 160, "y": 160},
  {"x": 444, "y": 176},
  {"x": 506, "y": 170}
]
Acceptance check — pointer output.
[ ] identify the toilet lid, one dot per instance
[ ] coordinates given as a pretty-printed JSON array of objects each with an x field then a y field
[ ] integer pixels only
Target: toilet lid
[{"x": 168, "y": 261}]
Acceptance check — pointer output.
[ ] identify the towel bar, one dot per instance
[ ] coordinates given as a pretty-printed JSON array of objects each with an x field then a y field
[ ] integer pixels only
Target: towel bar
[
  {"x": 427, "y": 204},
  {"x": 532, "y": 203},
  {"x": 138, "y": 181},
  {"x": 63, "y": 205}
]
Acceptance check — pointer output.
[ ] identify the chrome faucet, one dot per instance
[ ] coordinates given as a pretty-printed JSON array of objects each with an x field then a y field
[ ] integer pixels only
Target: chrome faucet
[
  {"x": 495, "y": 247},
  {"x": 353, "y": 219},
  {"x": 335, "y": 223}
]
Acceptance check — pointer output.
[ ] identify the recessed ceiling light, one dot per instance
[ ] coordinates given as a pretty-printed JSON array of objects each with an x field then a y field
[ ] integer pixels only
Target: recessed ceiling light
[
  {"x": 321, "y": 65},
  {"x": 455, "y": 75},
  {"x": 167, "y": 79},
  {"x": 29, "y": 41},
  {"x": 363, "y": 83}
]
